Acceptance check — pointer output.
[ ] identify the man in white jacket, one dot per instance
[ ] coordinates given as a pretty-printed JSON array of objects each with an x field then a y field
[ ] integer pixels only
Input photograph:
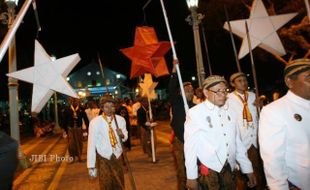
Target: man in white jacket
[
  {"x": 284, "y": 132},
  {"x": 242, "y": 102},
  {"x": 106, "y": 132},
  {"x": 212, "y": 137}
]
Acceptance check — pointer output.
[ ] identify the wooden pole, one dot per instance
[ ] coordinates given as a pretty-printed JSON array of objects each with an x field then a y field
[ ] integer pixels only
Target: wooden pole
[
  {"x": 175, "y": 57},
  {"x": 232, "y": 41},
  {"x": 252, "y": 64}
]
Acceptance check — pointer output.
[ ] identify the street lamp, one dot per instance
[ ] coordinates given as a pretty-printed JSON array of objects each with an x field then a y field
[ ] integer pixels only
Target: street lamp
[
  {"x": 57, "y": 127},
  {"x": 194, "y": 19},
  {"x": 8, "y": 18}
]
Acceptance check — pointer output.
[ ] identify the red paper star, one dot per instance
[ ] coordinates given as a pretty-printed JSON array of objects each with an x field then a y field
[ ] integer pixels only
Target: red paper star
[{"x": 147, "y": 54}]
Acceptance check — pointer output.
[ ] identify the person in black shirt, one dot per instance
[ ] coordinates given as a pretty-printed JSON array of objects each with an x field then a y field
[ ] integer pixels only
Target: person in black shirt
[
  {"x": 177, "y": 123},
  {"x": 73, "y": 121},
  {"x": 145, "y": 130},
  {"x": 122, "y": 111},
  {"x": 8, "y": 160}
]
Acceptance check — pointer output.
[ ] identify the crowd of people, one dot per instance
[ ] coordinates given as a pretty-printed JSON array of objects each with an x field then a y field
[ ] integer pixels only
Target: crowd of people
[
  {"x": 228, "y": 139},
  {"x": 225, "y": 142}
]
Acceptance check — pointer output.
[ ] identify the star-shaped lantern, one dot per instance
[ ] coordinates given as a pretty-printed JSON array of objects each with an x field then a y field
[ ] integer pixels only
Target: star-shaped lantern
[
  {"x": 262, "y": 30},
  {"x": 148, "y": 87},
  {"x": 46, "y": 76},
  {"x": 147, "y": 54}
]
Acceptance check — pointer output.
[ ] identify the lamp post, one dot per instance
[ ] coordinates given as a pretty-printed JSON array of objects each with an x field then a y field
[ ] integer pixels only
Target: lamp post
[
  {"x": 194, "y": 19},
  {"x": 8, "y": 18},
  {"x": 118, "y": 86},
  {"x": 57, "y": 127}
]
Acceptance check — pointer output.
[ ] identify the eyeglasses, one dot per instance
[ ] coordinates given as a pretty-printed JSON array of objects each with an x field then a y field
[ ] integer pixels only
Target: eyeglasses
[{"x": 219, "y": 92}]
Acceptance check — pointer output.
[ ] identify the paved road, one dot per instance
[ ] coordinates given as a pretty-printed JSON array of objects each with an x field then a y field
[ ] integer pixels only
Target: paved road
[{"x": 51, "y": 169}]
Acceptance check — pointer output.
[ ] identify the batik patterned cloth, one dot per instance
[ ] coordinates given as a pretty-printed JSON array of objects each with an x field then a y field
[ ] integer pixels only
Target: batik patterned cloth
[{"x": 111, "y": 174}]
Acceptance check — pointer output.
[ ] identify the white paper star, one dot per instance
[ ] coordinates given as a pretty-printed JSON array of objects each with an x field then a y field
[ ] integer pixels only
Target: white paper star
[
  {"x": 148, "y": 87},
  {"x": 46, "y": 76},
  {"x": 262, "y": 30}
]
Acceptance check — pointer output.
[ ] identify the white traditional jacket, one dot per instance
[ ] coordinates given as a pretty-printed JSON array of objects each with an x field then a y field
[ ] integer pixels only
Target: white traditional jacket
[
  {"x": 212, "y": 136},
  {"x": 248, "y": 134},
  {"x": 99, "y": 141},
  {"x": 284, "y": 138}
]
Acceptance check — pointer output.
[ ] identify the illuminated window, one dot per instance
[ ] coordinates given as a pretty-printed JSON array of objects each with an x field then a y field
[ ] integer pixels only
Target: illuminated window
[
  {"x": 79, "y": 84},
  {"x": 108, "y": 81}
]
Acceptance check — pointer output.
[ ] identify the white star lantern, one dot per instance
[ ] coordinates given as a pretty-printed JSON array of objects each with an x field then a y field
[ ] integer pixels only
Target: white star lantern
[
  {"x": 148, "y": 87},
  {"x": 262, "y": 30},
  {"x": 46, "y": 76}
]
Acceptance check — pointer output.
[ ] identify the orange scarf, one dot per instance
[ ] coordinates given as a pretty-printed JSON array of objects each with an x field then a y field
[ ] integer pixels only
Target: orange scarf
[
  {"x": 112, "y": 136},
  {"x": 247, "y": 116}
]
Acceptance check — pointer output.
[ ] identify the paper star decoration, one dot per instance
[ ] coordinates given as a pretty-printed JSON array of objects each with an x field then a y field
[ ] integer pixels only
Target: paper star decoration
[
  {"x": 262, "y": 30},
  {"x": 147, "y": 54},
  {"x": 148, "y": 87},
  {"x": 46, "y": 76}
]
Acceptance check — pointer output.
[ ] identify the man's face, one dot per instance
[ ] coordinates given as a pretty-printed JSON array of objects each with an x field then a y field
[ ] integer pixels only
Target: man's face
[
  {"x": 216, "y": 94},
  {"x": 74, "y": 102},
  {"x": 301, "y": 85},
  {"x": 108, "y": 108},
  {"x": 189, "y": 92},
  {"x": 241, "y": 83}
]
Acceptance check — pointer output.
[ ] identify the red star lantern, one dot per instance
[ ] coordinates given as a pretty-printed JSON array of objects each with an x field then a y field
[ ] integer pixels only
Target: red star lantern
[{"x": 147, "y": 54}]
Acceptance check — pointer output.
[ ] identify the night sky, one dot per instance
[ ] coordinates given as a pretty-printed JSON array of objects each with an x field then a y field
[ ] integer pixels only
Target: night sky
[{"x": 104, "y": 27}]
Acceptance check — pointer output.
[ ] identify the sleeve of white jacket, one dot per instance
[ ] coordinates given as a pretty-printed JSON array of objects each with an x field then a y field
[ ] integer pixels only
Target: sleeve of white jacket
[
  {"x": 272, "y": 141},
  {"x": 91, "y": 146},
  {"x": 122, "y": 126},
  {"x": 190, "y": 147},
  {"x": 241, "y": 154}
]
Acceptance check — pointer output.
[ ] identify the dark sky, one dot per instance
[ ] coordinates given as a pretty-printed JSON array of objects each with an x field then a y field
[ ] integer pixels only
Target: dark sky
[{"x": 104, "y": 27}]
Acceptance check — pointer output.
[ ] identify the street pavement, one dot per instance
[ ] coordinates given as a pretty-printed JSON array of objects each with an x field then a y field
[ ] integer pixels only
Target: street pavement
[{"x": 51, "y": 168}]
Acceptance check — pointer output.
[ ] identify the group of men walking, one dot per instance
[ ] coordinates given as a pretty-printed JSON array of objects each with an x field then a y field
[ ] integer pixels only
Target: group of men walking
[
  {"x": 221, "y": 141},
  {"x": 227, "y": 141}
]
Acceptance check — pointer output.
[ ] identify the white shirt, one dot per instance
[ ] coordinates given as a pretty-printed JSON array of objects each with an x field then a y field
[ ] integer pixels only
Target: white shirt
[
  {"x": 248, "y": 135},
  {"x": 98, "y": 139},
  {"x": 284, "y": 137},
  {"x": 212, "y": 136}
]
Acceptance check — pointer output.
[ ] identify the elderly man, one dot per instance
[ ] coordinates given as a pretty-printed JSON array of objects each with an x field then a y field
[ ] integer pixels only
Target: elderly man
[
  {"x": 284, "y": 132},
  {"x": 212, "y": 137},
  {"x": 242, "y": 102},
  {"x": 105, "y": 134}
]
